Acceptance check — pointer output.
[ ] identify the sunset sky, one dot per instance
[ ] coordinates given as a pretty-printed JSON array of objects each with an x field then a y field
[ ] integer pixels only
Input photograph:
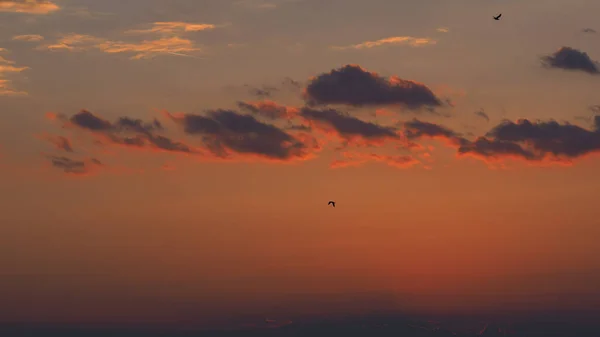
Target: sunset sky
[{"x": 167, "y": 160}]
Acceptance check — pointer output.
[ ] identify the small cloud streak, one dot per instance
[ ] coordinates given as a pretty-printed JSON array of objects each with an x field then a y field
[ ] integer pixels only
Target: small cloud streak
[
  {"x": 443, "y": 30},
  {"x": 28, "y": 38},
  {"x": 75, "y": 167},
  {"x": 269, "y": 109},
  {"x": 142, "y": 50},
  {"x": 7, "y": 67},
  {"x": 60, "y": 142},
  {"x": 39, "y": 7},
  {"x": 482, "y": 114},
  {"x": 568, "y": 58},
  {"x": 174, "y": 28},
  {"x": 395, "y": 40}
]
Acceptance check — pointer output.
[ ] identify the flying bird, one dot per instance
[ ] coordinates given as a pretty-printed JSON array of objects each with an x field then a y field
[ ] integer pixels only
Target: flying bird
[
  {"x": 332, "y": 203},
  {"x": 498, "y": 17}
]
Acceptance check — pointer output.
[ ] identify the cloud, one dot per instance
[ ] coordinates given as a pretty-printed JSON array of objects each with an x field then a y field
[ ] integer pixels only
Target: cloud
[
  {"x": 28, "y": 38},
  {"x": 589, "y": 30},
  {"x": 268, "y": 109},
  {"x": 443, "y": 30},
  {"x": 73, "y": 42},
  {"x": 270, "y": 90},
  {"x": 7, "y": 67},
  {"x": 262, "y": 4},
  {"x": 550, "y": 138},
  {"x": 547, "y": 141},
  {"x": 148, "y": 49},
  {"x": 416, "y": 129},
  {"x": 571, "y": 59},
  {"x": 28, "y": 6},
  {"x": 347, "y": 126},
  {"x": 482, "y": 114},
  {"x": 174, "y": 28},
  {"x": 141, "y": 50},
  {"x": 355, "y": 86},
  {"x": 75, "y": 167},
  {"x": 226, "y": 132},
  {"x": 60, "y": 142},
  {"x": 128, "y": 132},
  {"x": 395, "y": 40}
]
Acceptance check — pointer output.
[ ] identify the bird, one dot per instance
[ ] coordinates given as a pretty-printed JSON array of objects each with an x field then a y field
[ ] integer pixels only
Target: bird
[
  {"x": 497, "y": 17},
  {"x": 332, "y": 203}
]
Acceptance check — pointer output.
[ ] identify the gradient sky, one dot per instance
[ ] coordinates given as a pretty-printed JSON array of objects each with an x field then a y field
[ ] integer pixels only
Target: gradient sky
[{"x": 209, "y": 212}]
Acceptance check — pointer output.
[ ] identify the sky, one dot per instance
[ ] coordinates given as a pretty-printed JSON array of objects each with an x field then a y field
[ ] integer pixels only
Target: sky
[{"x": 172, "y": 160}]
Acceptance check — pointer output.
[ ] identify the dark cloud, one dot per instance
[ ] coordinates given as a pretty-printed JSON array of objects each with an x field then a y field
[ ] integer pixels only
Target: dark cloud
[
  {"x": 482, "y": 114},
  {"x": 589, "y": 30},
  {"x": 550, "y": 138},
  {"x": 571, "y": 59},
  {"x": 60, "y": 142},
  {"x": 348, "y": 126},
  {"x": 87, "y": 120},
  {"x": 128, "y": 131},
  {"x": 73, "y": 166},
  {"x": 493, "y": 148},
  {"x": 226, "y": 130},
  {"x": 416, "y": 129},
  {"x": 354, "y": 86},
  {"x": 534, "y": 141}
]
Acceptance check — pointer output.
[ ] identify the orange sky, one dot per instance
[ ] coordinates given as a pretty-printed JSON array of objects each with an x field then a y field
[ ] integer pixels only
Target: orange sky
[{"x": 220, "y": 208}]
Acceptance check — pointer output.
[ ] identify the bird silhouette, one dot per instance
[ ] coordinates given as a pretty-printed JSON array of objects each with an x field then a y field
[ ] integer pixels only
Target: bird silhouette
[
  {"x": 332, "y": 203},
  {"x": 498, "y": 17}
]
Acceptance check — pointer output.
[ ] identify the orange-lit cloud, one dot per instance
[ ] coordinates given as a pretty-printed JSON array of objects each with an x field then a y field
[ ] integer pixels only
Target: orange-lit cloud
[
  {"x": 28, "y": 6},
  {"x": 28, "y": 38},
  {"x": 395, "y": 40},
  {"x": 142, "y": 50},
  {"x": 262, "y": 4},
  {"x": 7, "y": 67},
  {"x": 443, "y": 29},
  {"x": 150, "y": 48},
  {"x": 174, "y": 28}
]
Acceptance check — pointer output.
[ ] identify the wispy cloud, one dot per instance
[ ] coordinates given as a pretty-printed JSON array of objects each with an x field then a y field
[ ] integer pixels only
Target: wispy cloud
[
  {"x": 262, "y": 4},
  {"x": 7, "y": 67},
  {"x": 28, "y": 6},
  {"x": 28, "y": 38},
  {"x": 443, "y": 29},
  {"x": 173, "y": 28},
  {"x": 141, "y": 50},
  {"x": 150, "y": 48},
  {"x": 395, "y": 40}
]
